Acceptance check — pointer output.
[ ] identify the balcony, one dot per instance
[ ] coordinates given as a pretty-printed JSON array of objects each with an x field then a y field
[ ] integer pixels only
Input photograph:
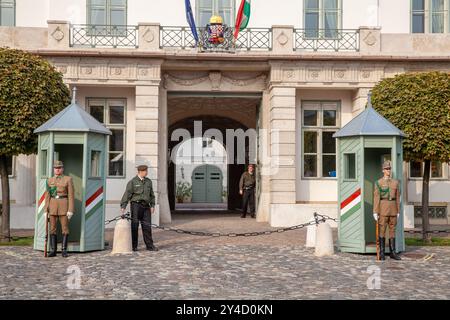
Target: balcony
[
  {"x": 285, "y": 41},
  {"x": 326, "y": 40},
  {"x": 254, "y": 39},
  {"x": 103, "y": 36}
]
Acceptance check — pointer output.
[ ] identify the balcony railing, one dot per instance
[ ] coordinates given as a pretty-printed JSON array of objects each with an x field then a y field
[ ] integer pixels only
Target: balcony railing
[
  {"x": 103, "y": 36},
  {"x": 248, "y": 39},
  {"x": 326, "y": 39}
]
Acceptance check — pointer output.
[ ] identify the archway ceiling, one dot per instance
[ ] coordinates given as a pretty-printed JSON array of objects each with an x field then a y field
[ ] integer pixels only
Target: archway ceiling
[{"x": 242, "y": 110}]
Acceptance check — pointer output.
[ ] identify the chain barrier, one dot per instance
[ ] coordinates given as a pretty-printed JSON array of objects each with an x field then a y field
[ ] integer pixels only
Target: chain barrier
[{"x": 318, "y": 218}]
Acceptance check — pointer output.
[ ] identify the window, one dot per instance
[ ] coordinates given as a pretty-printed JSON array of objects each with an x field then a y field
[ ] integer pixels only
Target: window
[
  {"x": 207, "y": 8},
  {"x": 107, "y": 12},
  {"x": 10, "y": 168},
  {"x": 416, "y": 169},
  {"x": 95, "y": 164},
  {"x": 7, "y": 13},
  {"x": 322, "y": 15},
  {"x": 111, "y": 112},
  {"x": 430, "y": 16},
  {"x": 320, "y": 120},
  {"x": 43, "y": 163},
  {"x": 349, "y": 166}
]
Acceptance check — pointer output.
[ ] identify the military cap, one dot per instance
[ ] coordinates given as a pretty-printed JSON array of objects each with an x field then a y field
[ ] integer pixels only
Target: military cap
[
  {"x": 142, "y": 167},
  {"x": 58, "y": 164},
  {"x": 387, "y": 164}
]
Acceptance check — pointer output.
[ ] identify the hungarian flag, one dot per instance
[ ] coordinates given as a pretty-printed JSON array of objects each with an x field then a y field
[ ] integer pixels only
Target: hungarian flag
[{"x": 242, "y": 17}]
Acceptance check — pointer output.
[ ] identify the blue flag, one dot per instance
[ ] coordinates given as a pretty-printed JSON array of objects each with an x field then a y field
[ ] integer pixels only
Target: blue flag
[{"x": 190, "y": 20}]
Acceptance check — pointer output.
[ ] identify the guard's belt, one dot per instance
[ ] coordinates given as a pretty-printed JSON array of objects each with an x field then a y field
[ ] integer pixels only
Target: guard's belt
[
  {"x": 387, "y": 199},
  {"x": 248, "y": 188},
  {"x": 59, "y": 197}
]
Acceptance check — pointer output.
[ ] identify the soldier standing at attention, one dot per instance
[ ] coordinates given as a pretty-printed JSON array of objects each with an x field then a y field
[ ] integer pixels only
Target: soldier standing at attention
[
  {"x": 386, "y": 208},
  {"x": 247, "y": 185},
  {"x": 59, "y": 204},
  {"x": 139, "y": 192}
]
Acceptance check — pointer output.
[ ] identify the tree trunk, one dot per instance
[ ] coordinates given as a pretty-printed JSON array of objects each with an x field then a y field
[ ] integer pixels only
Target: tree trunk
[
  {"x": 4, "y": 228},
  {"x": 425, "y": 199}
]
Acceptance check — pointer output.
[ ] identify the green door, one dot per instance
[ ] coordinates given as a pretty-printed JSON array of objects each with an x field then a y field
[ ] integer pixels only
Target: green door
[{"x": 207, "y": 184}]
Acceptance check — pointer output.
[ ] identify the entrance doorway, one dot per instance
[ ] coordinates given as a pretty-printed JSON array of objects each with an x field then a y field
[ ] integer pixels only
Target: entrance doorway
[{"x": 211, "y": 179}]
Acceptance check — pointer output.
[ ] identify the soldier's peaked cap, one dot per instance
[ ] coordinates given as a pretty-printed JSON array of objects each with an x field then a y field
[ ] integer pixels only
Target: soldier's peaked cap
[
  {"x": 387, "y": 165},
  {"x": 142, "y": 167},
  {"x": 58, "y": 164}
]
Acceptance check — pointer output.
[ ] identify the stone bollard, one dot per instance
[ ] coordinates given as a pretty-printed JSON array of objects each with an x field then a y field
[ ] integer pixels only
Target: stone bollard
[
  {"x": 311, "y": 231},
  {"x": 122, "y": 237},
  {"x": 324, "y": 240}
]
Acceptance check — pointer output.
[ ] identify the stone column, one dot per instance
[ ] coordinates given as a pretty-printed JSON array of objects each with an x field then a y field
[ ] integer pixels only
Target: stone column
[
  {"x": 263, "y": 207},
  {"x": 148, "y": 36},
  {"x": 164, "y": 206},
  {"x": 283, "y": 150},
  {"x": 147, "y": 103},
  {"x": 359, "y": 101},
  {"x": 58, "y": 34}
]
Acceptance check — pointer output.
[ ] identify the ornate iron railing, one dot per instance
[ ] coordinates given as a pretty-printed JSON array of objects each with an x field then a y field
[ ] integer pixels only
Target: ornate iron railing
[
  {"x": 326, "y": 39},
  {"x": 248, "y": 39},
  {"x": 103, "y": 36}
]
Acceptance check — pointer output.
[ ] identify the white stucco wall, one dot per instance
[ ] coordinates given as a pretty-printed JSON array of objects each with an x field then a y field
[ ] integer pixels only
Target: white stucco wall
[{"x": 392, "y": 16}]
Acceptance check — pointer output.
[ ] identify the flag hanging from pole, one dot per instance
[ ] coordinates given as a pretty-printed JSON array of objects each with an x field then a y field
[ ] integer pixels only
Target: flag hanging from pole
[
  {"x": 242, "y": 17},
  {"x": 190, "y": 20}
]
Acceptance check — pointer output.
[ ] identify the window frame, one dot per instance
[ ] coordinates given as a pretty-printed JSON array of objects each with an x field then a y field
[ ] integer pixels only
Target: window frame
[
  {"x": 107, "y": 102},
  {"x": 345, "y": 162},
  {"x": 13, "y": 2},
  {"x": 445, "y": 172},
  {"x": 428, "y": 17},
  {"x": 215, "y": 8},
  {"x": 319, "y": 129},
  {"x": 108, "y": 8},
  {"x": 100, "y": 168},
  {"x": 13, "y": 168},
  {"x": 321, "y": 11}
]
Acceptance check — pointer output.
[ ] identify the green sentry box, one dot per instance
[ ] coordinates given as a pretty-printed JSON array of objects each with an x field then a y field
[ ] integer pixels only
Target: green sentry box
[
  {"x": 79, "y": 140},
  {"x": 362, "y": 147}
]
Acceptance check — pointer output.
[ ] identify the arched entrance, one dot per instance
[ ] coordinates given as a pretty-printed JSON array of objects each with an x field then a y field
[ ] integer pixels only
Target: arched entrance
[{"x": 215, "y": 115}]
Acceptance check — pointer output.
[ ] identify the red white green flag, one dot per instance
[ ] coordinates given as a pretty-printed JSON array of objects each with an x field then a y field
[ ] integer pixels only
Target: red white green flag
[{"x": 242, "y": 18}]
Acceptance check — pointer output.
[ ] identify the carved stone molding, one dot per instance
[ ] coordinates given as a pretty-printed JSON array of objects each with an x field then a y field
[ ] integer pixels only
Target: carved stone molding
[
  {"x": 106, "y": 69},
  {"x": 214, "y": 80},
  {"x": 58, "y": 34}
]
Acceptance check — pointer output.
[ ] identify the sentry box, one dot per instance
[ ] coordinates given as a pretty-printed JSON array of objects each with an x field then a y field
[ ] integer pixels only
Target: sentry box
[
  {"x": 79, "y": 140},
  {"x": 363, "y": 145}
]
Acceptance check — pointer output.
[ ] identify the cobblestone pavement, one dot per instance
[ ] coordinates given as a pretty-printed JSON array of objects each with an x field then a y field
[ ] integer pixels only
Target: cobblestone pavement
[{"x": 274, "y": 266}]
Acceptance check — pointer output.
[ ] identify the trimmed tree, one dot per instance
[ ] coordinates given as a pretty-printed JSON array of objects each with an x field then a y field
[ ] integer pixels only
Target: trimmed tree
[
  {"x": 31, "y": 92},
  {"x": 419, "y": 105}
]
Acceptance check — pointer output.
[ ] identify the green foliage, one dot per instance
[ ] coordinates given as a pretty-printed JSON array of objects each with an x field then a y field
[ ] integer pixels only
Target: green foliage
[
  {"x": 183, "y": 190},
  {"x": 19, "y": 241},
  {"x": 31, "y": 92},
  {"x": 434, "y": 242},
  {"x": 419, "y": 105}
]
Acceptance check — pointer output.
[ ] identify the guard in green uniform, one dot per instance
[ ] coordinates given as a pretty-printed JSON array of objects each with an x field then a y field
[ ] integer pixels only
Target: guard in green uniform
[
  {"x": 139, "y": 192},
  {"x": 247, "y": 185},
  {"x": 386, "y": 208}
]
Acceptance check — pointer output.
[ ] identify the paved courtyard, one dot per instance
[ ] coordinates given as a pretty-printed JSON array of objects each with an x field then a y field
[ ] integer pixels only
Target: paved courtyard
[{"x": 276, "y": 266}]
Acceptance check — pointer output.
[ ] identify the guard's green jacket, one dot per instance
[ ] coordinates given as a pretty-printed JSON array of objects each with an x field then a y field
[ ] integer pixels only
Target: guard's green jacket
[{"x": 138, "y": 190}]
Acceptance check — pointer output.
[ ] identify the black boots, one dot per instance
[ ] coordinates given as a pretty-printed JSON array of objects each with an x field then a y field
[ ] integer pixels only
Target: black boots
[
  {"x": 52, "y": 246},
  {"x": 243, "y": 215},
  {"x": 393, "y": 254},
  {"x": 64, "y": 245},
  {"x": 382, "y": 244}
]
